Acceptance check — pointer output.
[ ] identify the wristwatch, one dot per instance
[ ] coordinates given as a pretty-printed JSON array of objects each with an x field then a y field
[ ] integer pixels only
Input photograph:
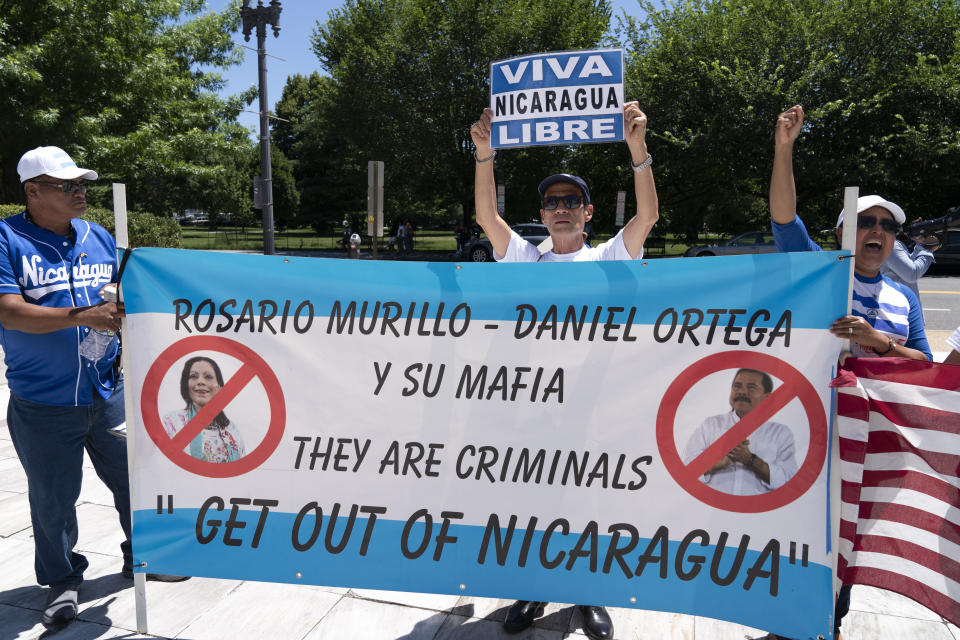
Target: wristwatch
[{"x": 643, "y": 165}]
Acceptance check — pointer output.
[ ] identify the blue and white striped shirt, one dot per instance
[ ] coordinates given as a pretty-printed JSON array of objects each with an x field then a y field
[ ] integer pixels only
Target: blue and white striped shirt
[{"x": 890, "y": 307}]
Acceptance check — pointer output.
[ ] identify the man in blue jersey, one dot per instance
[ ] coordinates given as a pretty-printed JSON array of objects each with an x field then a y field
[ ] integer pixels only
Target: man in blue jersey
[
  {"x": 886, "y": 319},
  {"x": 63, "y": 395}
]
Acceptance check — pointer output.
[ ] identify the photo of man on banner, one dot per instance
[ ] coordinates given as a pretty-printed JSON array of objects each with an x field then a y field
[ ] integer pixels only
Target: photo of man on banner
[{"x": 761, "y": 463}]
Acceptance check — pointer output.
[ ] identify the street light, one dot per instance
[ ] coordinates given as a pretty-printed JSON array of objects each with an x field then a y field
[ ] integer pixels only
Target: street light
[{"x": 260, "y": 17}]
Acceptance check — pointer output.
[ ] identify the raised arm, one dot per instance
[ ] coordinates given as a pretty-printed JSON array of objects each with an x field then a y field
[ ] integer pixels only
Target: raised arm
[
  {"x": 485, "y": 188},
  {"x": 908, "y": 266},
  {"x": 648, "y": 211},
  {"x": 783, "y": 191}
]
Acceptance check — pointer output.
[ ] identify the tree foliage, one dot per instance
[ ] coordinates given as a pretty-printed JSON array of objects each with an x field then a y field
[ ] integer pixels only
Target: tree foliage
[
  {"x": 124, "y": 86},
  {"x": 409, "y": 76},
  {"x": 879, "y": 81},
  {"x": 143, "y": 229},
  {"x": 330, "y": 176},
  {"x": 286, "y": 198}
]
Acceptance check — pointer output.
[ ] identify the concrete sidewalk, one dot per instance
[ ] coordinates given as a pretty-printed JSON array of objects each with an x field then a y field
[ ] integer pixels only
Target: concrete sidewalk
[{"x": 207, "y": 609}]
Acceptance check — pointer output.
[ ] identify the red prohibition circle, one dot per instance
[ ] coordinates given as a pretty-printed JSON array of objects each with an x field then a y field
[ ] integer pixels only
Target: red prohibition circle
[
  {"x": 252, "y": 366},
  {"x": 793, "y": 382}
]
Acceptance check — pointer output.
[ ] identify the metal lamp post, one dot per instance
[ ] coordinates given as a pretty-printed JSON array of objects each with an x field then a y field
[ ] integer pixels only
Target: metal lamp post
[{"x": 260, "y": 17}]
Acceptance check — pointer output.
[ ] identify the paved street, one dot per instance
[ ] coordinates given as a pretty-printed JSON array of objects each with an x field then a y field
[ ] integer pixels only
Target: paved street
[{"x": 940, "y": 296}]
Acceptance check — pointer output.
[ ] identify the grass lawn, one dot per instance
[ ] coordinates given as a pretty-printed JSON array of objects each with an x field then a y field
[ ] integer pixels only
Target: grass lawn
[
  {"x": 431, "y": 241},
  {"x": 251, "y": 238}
]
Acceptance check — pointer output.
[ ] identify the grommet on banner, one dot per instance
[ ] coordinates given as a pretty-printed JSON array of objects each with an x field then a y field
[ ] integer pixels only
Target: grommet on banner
[
  {"x": 633, "y": 599},
  {"x": 299, "y": 575},
  {"x": 462, "y": 587}
]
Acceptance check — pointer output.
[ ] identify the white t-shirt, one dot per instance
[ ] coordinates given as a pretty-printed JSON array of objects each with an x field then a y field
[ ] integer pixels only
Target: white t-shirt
[
  {"x": 954, "y": 340},
  {"x": 520, "y": 250}
]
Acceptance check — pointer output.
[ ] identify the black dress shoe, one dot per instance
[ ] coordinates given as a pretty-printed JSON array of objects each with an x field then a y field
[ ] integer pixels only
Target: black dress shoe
[
  {"x": 154, "y": 577},
  {"x": 596, "y": 624},
  {"x": 521, "y": 615}
]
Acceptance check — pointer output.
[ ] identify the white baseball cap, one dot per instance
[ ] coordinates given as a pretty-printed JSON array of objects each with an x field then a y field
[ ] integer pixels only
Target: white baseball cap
[
  {"x": 51, "y": 161},
  {"x": 866, "y": 202}
]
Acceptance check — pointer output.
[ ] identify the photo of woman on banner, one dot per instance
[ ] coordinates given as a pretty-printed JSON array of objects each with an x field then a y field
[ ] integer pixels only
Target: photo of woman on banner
[
  {"x": 762, "y": 462},
  {"x": 220, "y": 440}
]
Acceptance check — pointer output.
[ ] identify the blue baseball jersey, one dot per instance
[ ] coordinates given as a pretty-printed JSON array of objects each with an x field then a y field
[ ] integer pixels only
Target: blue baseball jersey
[
  {"x": 55, "y": 271},
  {"x": 890, "y": 307}
]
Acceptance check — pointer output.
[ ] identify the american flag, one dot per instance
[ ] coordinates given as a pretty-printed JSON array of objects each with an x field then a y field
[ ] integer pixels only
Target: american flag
[{"x": 899, "y": 426}]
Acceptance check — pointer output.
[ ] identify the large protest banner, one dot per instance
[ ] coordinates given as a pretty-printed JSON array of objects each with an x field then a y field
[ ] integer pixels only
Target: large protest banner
[
  {"x": 509, "y": 430},
  {"x": 567, "y": 97}
]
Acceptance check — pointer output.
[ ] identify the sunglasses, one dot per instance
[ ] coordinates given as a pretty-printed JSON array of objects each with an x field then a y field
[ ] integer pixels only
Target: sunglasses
[
  {"x": 67, "y": 187},
  {"x": 869, "y": 222},
  {"x": 569, "y": 202}
]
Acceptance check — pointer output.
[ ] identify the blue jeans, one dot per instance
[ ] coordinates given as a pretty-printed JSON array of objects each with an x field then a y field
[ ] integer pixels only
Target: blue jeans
[{"x": 50, "y": 441}]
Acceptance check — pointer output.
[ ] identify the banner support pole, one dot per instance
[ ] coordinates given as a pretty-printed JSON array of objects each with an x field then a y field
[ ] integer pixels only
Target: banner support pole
[
  {"x": 848, "y": 242},
  {"x": 123, "y": 242}
]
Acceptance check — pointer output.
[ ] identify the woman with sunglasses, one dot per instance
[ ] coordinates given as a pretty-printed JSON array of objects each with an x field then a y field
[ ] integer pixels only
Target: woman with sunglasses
[{"x": 878, "y": 326}]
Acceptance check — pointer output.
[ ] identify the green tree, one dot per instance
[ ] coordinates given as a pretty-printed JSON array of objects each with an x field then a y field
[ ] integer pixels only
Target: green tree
[
  {"x": 296, "y": 104},
  {"x": 879, "y": 81},
  {"x": 328, "y": 173},
  {"x": 127, "y": 87},
  {"x": 409, "y": 76},
  {"x": 286, "y": 198}
]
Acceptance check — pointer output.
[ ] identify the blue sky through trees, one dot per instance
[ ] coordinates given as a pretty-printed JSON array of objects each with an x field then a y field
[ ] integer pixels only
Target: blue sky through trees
[{"x": 297, "y": 21}]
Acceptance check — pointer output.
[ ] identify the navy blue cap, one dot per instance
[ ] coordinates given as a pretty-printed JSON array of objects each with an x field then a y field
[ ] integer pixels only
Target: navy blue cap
[{"x": 577, "y": 181}]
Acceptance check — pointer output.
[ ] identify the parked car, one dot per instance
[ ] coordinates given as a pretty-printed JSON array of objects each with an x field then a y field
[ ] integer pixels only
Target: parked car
[
  {"x": 478, "y": 249},
  {"x": 750, "y": 242},
  {"x": 948, "y": 229}
]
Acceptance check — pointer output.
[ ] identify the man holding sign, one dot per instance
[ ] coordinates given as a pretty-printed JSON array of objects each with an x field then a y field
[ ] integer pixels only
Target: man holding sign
[
  {"x": 565, "y": 210},
  {"x": 566, "y": 206}
]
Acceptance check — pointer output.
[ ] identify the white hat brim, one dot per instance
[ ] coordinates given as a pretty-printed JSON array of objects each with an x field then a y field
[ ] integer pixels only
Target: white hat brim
[{"x": 72, "y": 173}]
